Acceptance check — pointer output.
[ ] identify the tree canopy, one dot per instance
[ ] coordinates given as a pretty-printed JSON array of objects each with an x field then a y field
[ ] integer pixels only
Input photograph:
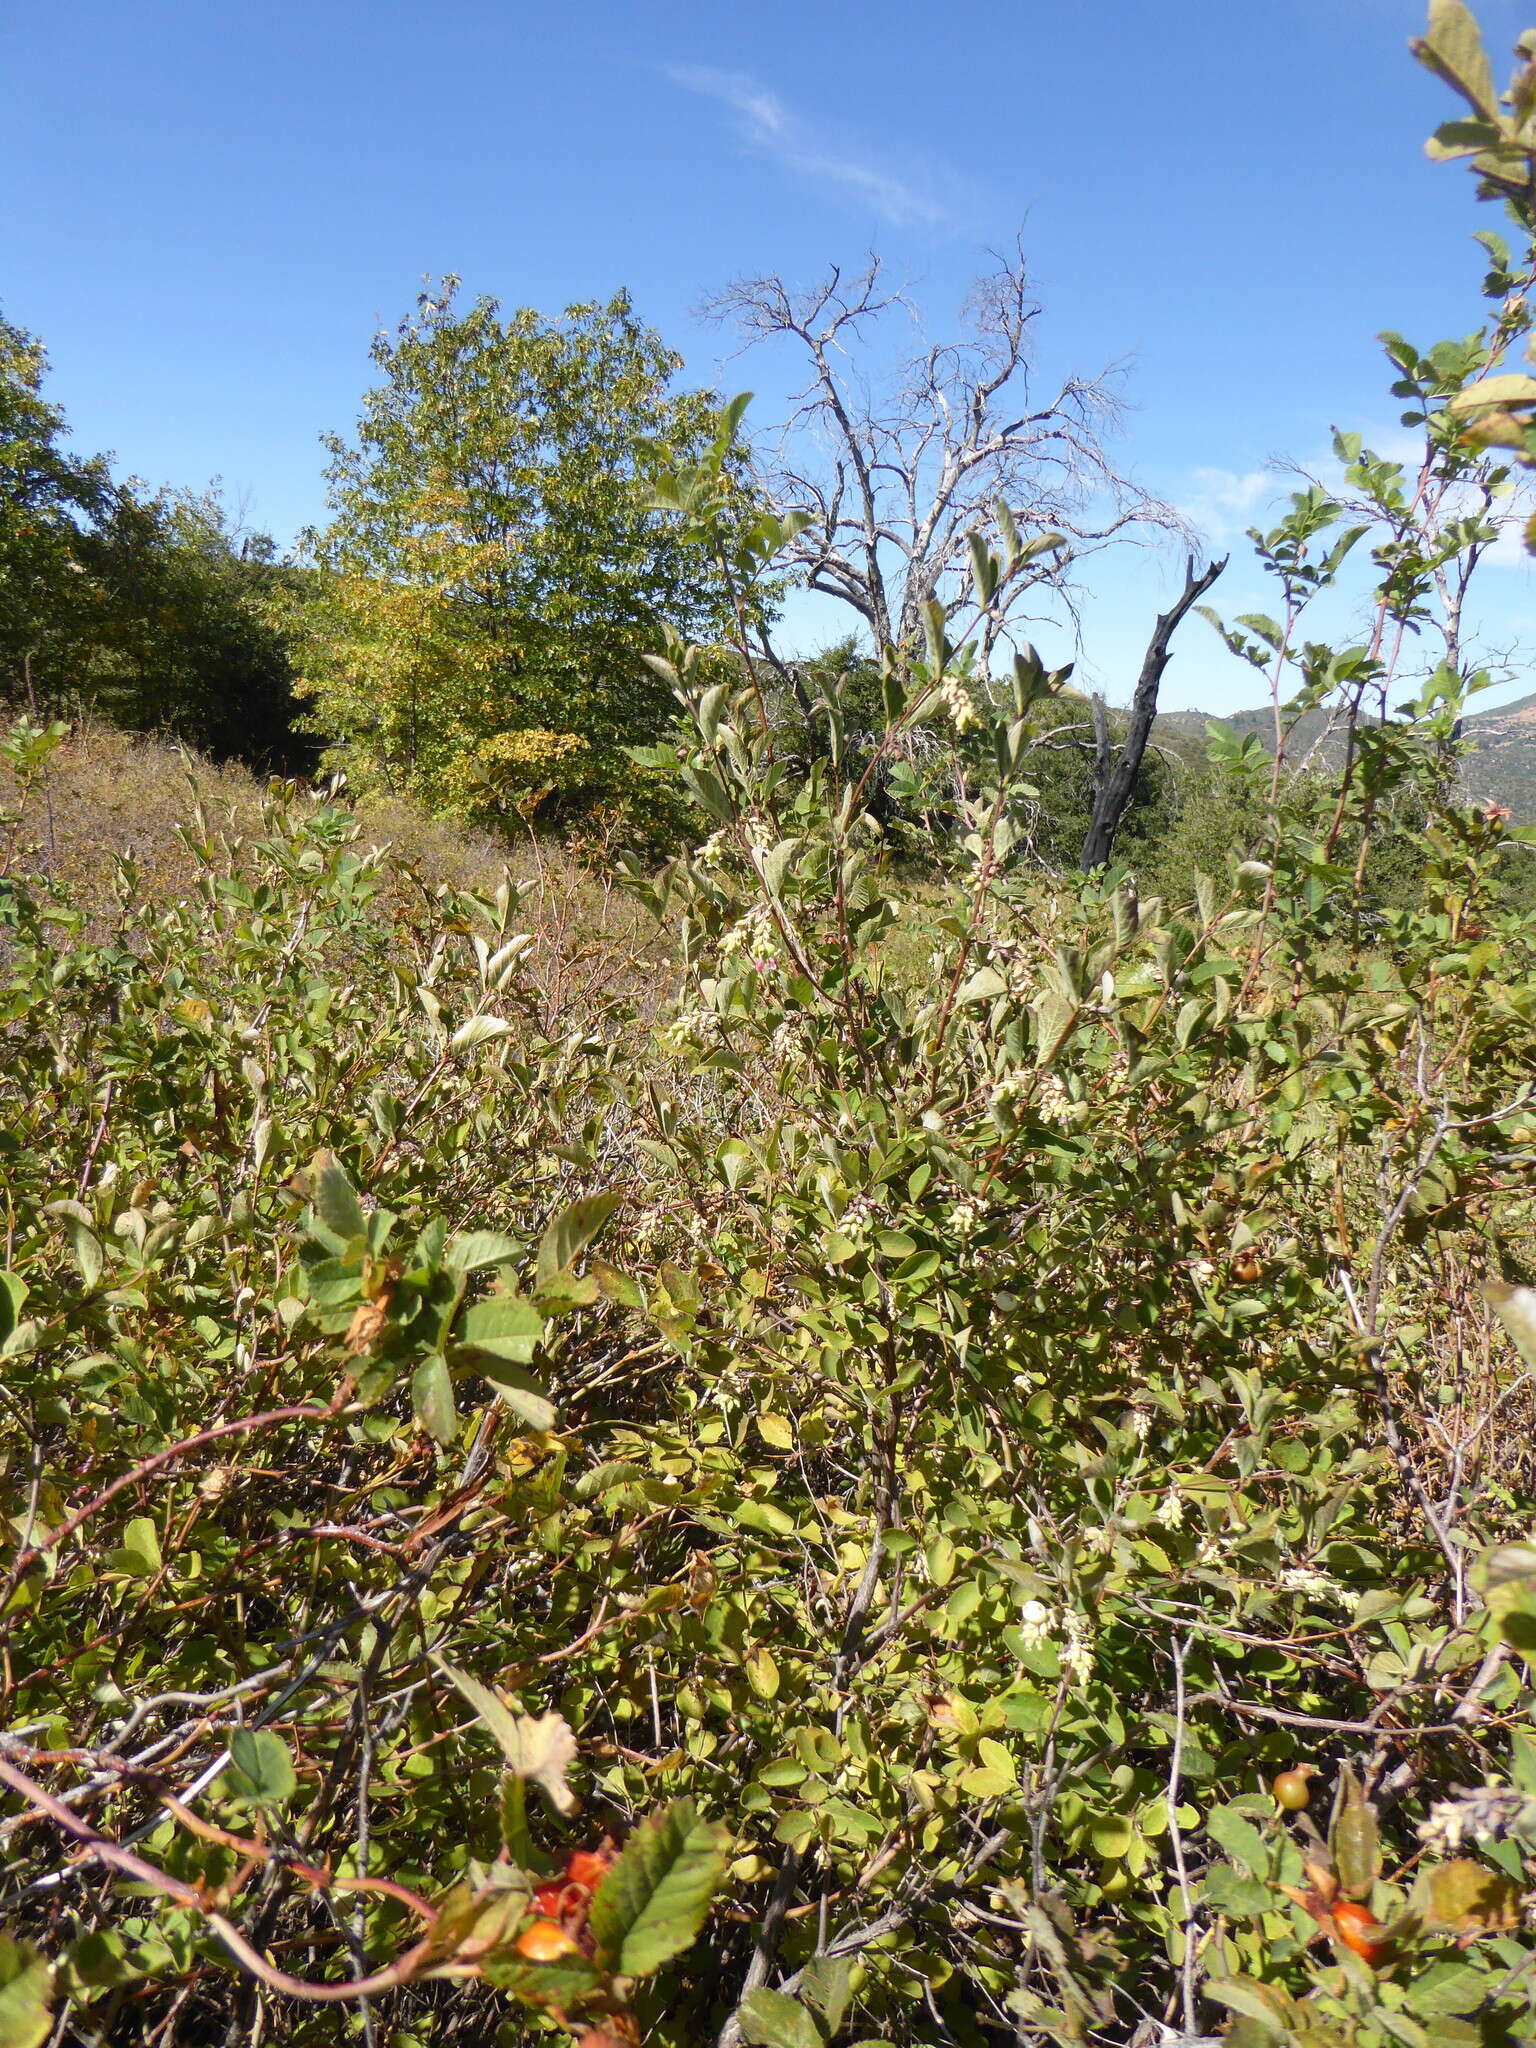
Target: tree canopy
[
  {"x": 492, "y": 572},
  {"x": 47, "y": 497}
]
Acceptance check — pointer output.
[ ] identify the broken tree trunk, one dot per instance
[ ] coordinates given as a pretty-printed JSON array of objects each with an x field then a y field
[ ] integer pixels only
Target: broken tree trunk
[{"x": 1115, "y": 784}]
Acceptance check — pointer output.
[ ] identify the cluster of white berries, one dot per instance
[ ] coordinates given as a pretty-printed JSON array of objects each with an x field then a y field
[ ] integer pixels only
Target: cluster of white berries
[
  {"x": 1011, "y": 1087},
  {"x": 1076, "y": 1648},
  {"x": 1051, "y": 1098},
  {"x": 1047, "y": 1096},
  {"x": 1170, "y": 1511},
  {"x": 1298, "y": 1578},
  {"x": 755, "y": 935},
  {"x": 1039, "y": 1624},
  {"x": 693, "y": 1031},
  {"x": 716, "y": 849},
  {"x": 959, "y": 703},
  {"x": 785, "y": 1044},
  {"x": 965, "y": 1217},
  {"x": 1477, "y": 1813}
]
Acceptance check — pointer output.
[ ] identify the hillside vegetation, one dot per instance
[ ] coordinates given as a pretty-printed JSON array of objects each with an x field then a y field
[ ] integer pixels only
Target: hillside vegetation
[{"x": 1498, "y": 765}]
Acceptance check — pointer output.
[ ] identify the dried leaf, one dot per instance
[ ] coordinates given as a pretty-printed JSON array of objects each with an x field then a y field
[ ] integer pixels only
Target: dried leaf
[
  {"x": 368, "y": 1318},
  {"x": 541, "y": 1749},
  {"x": 1468, "y": 1897}
]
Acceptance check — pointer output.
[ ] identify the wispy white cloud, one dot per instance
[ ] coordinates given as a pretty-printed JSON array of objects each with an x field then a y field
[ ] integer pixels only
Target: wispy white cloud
[
  {"x": 1222, "y": 503},
  {"x": 767, "y": 125}
]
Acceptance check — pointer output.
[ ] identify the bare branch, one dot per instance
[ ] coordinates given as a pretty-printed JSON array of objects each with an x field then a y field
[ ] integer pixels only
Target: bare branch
[{"x": 908, "y": 474}]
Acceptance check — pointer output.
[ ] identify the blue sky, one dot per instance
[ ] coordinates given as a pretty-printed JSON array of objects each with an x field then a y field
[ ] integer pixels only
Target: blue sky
[{"x": 210, "y": 210}]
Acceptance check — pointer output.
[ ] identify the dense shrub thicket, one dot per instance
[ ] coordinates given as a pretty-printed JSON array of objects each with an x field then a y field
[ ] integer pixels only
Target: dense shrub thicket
[
  {"x": 998, "y": 1381},
  {"x": 919, "y": 1452}
]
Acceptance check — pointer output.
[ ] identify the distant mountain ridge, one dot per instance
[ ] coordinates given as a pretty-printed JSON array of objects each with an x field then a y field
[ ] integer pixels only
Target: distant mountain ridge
[{"x": 1500, "y": 765}]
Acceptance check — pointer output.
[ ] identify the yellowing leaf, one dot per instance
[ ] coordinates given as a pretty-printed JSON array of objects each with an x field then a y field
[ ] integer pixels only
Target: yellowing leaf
[
  {"x": 1468, "y": 1897},
  {"x": 763, "y": 1674},
  {"x": 541, "y": 1749}
]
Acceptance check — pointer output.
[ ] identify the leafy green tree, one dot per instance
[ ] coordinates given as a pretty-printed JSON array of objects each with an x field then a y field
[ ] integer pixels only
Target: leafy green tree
[
  {"x": 150, "y": 606},
  {"x": 182, "y": 637},
  {"x": 492, "y": 572},
  {"x": 47, "y": 498}
]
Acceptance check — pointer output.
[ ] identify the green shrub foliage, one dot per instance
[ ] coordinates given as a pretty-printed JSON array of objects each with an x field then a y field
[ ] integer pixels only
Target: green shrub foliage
[{"x": 961, "y": 1473}]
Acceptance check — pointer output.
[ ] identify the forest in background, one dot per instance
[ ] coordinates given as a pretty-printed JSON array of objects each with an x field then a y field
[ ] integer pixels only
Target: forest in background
[
  {"x": 887, "y": 1400},
  {"x": 479, "y": 628}
]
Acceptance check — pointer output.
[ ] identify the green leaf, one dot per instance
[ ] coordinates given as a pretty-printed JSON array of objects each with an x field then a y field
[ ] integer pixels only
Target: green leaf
[
  {"x": 26, "y": 1994},
  {"x": 1226, "y": 1890},
  {"x": 982, "y": 986},
  {"x": 1453, "y": 47},
  {"x": 772, "y": 2019},
  {"x": 542, "y": 1749},
  {"x": 764, "y": 1518},
  {"x": 477, "y": 1249},
  {"x": 558, "y": 1984},
  {"x": 479, "y": 1030},
  {"x": 567, "y": 1290},
  {"x": 1042, "y": 543},
  {"x": 83, "y": 1241},
  {"x": 572, "y": 1231},
  {"x": 827, "y": 1983},
  {"x": 260, "y": 1769},
  {"x": 1506, "y": 1576},
  {"x": 1447, "y": 1987},
  {"x": 521, "y": 1392},
  {"x": 432, "y": 1399},
  {"x": 1354, "y": 1838},
  {"x": 336, "y": 1202},
  {"x": 506, "y": 1326},
  {"x": 776, "y": 864},
  {"x": 997, "y": 1759},
  {"x": 141, "y": 1542},
  {"x": 653, "y": 1901},
  {"x": 1266, "y": 2003},
  {"x": 1240, "y": 1838},
  {"x": 1515, "y": 1308},
  {"x": 13, "y": 1292}
]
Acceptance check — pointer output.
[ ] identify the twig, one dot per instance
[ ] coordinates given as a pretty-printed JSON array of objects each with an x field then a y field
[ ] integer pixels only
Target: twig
[
  {"x": 1176, "y": 1836},
  {"x": 304, "y": 1412},
  {"x": 115, "y": 1857}
]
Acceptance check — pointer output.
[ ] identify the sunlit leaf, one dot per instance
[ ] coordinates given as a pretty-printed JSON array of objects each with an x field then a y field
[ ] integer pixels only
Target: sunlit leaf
[
  {"x": 260, "y": 1769},
  {"x": 541, "y": 1749},
  {"x": 654, "y": 1900}
]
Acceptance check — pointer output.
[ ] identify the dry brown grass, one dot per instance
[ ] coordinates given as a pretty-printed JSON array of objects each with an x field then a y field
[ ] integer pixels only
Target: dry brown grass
[{"x": 106, "y": 795}]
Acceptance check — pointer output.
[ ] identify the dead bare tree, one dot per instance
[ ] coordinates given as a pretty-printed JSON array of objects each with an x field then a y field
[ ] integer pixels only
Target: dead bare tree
[
  {"x": 958, "y": 448},
  {"x": 1114, "y": 781}
]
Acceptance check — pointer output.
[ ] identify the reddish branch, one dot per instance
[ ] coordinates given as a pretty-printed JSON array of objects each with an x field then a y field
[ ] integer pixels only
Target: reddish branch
[
  {"x": 304, "y": 1412},
  {"x": 113, "y": 1856}
]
